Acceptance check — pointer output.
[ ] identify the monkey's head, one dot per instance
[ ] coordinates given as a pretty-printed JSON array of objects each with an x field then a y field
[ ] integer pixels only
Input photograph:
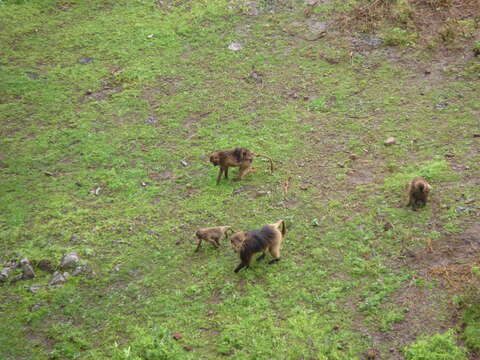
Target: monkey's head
[
  {"x": 237, "y": 240},
  {"x": 215, "y": 158}
]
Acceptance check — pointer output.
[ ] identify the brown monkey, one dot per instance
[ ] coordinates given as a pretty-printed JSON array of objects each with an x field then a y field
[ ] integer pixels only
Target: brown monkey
[
  {"x": 238, "y": 157},
  {"x": 418, "y": 191},
  {"x": 269, "y": 238},
  {"x": 212, "y": 235}
]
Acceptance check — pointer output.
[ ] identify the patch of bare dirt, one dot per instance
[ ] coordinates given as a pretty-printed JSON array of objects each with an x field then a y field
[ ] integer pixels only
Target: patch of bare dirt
[{"x": 449, "y": 262}]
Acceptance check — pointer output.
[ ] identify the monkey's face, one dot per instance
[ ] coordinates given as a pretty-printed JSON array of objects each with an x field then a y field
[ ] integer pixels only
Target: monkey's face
[
  {"x": 237, "y": 240},
  {"x": 215, "y": 159}
]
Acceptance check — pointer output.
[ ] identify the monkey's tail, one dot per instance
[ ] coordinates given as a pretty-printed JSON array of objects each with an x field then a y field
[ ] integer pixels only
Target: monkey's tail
[
  {"x": 284, "y": 229},
  {"x": 269, "y": 159}
]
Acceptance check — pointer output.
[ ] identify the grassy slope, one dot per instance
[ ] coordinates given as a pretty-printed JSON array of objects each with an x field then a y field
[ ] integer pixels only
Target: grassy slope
[{"x": 337, "y": 283}]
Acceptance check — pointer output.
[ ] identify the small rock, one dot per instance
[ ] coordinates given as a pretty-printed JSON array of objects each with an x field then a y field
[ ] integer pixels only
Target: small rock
[
  {"x": 188, "y": 348},
  {"x": 304, "y": 187},
  {"x": 210, "y": 312},
  {"x": 144, "y": 183},
  {"x": 36, "y": 306},
  {"x": 27, "y": 269},
  {"x": 311, "y": 2},
  {"x": 252, "y": 8},
  {"x": 116, "y": 268},
  {"x": 46, "y": 265},
  {"x": 32, "y": 75},
  {"x": 81, "y": 269},
  {"x": 390, "y": 141},
  {"x": 96, "y": 191},
  {"x": 177, "y": 336},
  {"x": 340, "y": 165},
  {"x": 318, "y": 28},
  {"x": 74, "y": 239},
  {"x": 387, "y": 226},
  {"x": 336, "y": 327},
  {"x": 441, "y": 106},
  {"x": 261, "y": 193},
  {"x": 235, "y": 46},
  {"x": 353, "y": 157},
  {"x": 85, "y": 60},
  {"x": 58, "y": 278},
  {"x": 48, "y": 173},
  {"x": 151, "y": 120},
  {"x": 184, "y": 163},
  {"x": 150, "y": 36},
  {"x": 69, "y": 261},
  {"x": 34, "y": 288}
]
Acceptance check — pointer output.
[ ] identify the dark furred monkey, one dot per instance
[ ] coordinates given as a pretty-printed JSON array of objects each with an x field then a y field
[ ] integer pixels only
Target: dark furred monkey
[
  {"x": 238, "y": 157},
  {"x": 269, "y": 238},
  {"x": 212, "y": 235},
  {"x": 418, "y": 191}
]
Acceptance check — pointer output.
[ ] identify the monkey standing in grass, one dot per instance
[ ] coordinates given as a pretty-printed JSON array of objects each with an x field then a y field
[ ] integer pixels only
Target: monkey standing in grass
[
  {"x": 238, "y": 157},
  {"x": 212, "y": 235},
  {"x": 418, "y": 191},
  {"x": 247, "y": 243}
]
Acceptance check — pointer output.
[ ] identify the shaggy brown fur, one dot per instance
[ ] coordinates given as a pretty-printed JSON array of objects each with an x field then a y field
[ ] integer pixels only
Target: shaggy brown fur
[
  {"x": 418, "y": 191},
  {"x": 212, "y": 235},
  {"x": 269, "y": 238},
  {"x": 238, "y": 157}
]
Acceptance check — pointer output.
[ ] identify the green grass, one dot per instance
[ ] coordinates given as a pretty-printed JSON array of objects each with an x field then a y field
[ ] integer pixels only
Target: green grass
[
  {"x": 144, "y": 104},
  {"x": 436, "y": 347}
]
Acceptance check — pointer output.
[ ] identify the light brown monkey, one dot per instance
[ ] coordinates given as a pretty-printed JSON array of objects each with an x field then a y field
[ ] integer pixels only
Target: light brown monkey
[
  {"x": 417, "y": 192},
  {"x": 269, "y": 238},
  {"x": 238, "y": 157},
  {"x": 212, "y": 235}
]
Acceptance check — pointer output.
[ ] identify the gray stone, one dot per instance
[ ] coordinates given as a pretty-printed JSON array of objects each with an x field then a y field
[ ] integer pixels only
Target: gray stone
[
  {"x": 27, "y": 269},
  {"x": 69, "y": 261},
  {"x": 390, "y": 141},
  {"x": 58, "y": 278}
]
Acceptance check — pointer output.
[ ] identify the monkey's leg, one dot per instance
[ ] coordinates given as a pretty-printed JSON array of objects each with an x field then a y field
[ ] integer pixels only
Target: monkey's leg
[
  {"x": 275, "y": 252},
  {"x": 240, "y": 267},
  {"x": 216, "y": 242},
  {"x": 260, "y": 258},
  {"x": 226, "y": 173},
  {"x": 219, "y": 177},
  {"x": 199, "y": 244},
  {"x": 245, "y": 171}
]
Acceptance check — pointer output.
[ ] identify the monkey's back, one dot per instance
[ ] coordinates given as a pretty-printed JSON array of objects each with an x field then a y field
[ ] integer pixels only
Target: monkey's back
[{"x": 259, "y": 240}]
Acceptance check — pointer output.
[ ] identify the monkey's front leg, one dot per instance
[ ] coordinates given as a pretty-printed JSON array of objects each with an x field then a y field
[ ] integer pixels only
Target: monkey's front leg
[
  {"x": 226, "y": 173},
  {"x": 219, "y": 175},
  {"x": 199, "y": 244}
]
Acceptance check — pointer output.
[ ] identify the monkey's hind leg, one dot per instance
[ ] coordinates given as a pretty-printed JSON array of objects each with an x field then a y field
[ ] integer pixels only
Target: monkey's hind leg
[
  {"x": 275, "y": 252},
  {"x": 245, "y": 171}
]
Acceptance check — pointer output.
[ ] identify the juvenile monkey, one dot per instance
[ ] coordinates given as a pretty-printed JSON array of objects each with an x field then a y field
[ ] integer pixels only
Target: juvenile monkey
[
  {"x": 212, "y": 235},
  {"x": 269, "y": 238},
  {"x": 418, "y": 191},
  {"x": 238, "y": 157}
]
